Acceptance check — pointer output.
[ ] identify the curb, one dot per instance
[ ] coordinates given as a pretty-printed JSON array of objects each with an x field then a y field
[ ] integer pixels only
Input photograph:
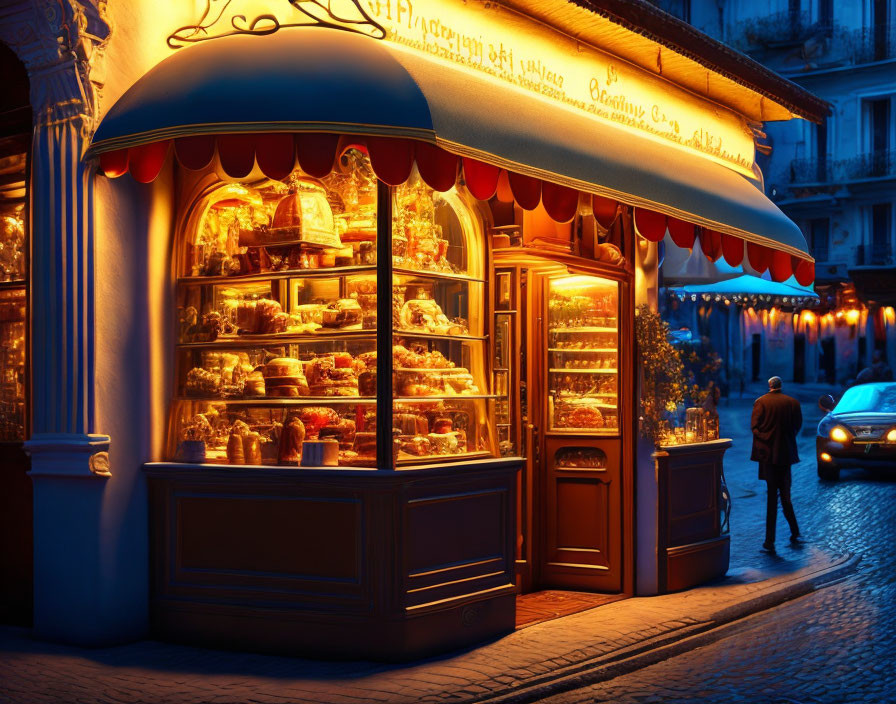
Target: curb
[{"x": 653, "y": 650}]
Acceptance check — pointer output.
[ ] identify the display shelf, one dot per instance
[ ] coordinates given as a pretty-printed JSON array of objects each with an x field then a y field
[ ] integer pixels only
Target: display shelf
[
  {"x": 407, "y": 458},
  {"x": 434, "y": 336},
  {"x": 444, "y": 397},
  {"x": 283, "y": 338},
  {"x": 575, "y": 351},
  {"x": 584, "y": 330},
  {"x": 445, "y": 275},
  {"x": 583, "y": 371},
  {"x": 273, "y": 401},
  {"x": 283, "y": 274}
]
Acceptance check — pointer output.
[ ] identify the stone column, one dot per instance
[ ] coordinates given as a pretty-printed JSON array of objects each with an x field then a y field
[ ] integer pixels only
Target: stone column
[{"x": 59, "y": 43}]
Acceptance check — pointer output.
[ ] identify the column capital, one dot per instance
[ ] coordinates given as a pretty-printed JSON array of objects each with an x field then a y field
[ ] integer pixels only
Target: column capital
[{"x": 62, "y": 44}]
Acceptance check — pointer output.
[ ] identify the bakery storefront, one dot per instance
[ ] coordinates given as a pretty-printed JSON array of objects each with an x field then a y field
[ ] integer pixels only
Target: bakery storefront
[{"x": 393, "y": 260}]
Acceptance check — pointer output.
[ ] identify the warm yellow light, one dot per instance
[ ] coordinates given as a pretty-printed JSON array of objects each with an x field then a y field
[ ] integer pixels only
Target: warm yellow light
[
  {"x": 580, "y": 282},
  {"x": 808, "y": 317},
  {"x": 852, "y": 316},
  {"x": 891, "y": 436},
  {"x": 825, "y": 457},
  {"x": 890, "y": 315},
  {"x": 839, "y": 434}
]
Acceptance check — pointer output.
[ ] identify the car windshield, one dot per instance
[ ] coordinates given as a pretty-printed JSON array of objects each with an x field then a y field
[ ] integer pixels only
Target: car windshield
[{"x": 872, "y": 398}]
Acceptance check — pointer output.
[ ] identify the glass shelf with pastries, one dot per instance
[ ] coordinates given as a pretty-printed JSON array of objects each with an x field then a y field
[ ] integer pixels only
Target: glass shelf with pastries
[
  {"x": 437, "y": 429},
  {"x": 300, "y": 224},
  {"x": 289, "y": 308},
  {"x": 286, "y": 433},
  {"x": 583, "y": 355},
  {"x": 436, "y": 234},
  {"x": 442, "y": 408},
  {"x": 13, "y": 309}
]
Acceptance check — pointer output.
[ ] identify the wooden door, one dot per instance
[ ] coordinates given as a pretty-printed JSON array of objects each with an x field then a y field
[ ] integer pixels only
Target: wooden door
[{"x": 584, "y": 386}]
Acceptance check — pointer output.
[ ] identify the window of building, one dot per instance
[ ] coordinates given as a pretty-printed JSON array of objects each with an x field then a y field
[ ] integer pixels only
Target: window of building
[
  {"x": 819, "y": 238},
  {"x": 879, "y": 137},
  {"x": 881, "y": 233}
]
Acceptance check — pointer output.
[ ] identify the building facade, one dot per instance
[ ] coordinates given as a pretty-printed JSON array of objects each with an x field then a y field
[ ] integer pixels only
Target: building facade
[{"x": 837, "y": 179}]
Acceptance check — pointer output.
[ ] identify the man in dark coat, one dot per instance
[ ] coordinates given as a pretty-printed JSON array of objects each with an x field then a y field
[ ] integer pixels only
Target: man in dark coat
[{"x": 776, "y": 420}]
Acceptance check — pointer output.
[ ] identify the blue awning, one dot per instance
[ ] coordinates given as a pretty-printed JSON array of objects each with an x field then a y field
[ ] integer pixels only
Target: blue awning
[{"x": 321, "y": 80}]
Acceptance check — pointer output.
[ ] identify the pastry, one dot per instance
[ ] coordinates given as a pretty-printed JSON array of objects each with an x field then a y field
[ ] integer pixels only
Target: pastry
[
  {"x": 292, "y": 437},
  {"x": 443, "y": 443},
  {"x": 317, "y": 417},
  {"x": 367, "y": 383},
  {"x": 283, "y": 366},
  {"x": 235, "y": 447},
  {"x": 442, "y": 425},
  {"x": 417, "y": 445},
  {"x": 342, "y": 313},
  {"x": 365, "y": 443},
  {"x": 252, "y": 448},
  {"x": 254, "y": 385},
  {"x": 201, "y": 382},
  {"x": 326, "y": 379}
]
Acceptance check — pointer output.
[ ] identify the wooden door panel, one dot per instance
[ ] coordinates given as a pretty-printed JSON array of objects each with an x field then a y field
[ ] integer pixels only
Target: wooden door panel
[{"x": 583, "y": 538}]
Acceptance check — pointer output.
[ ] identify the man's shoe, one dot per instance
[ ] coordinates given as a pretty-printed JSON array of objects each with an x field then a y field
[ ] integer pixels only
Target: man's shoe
[
  {"x": 769, "y": 548},
  {"x": 797, "y": 540}
]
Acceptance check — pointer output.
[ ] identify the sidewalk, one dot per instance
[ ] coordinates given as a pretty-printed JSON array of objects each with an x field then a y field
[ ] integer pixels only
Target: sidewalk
[{"x": 524, "y": 666}]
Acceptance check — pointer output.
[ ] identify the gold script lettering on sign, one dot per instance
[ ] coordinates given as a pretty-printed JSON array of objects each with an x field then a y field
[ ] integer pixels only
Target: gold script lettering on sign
[{"x": 487, "y": 38}]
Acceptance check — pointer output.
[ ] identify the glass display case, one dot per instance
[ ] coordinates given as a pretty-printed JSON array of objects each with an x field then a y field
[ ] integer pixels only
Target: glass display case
[
  {"x": 442, "y": 402},
  {"x": 276, "y": 358},
  {"x": 13, "y": 319},
  {"x": 583, "y": 350}
]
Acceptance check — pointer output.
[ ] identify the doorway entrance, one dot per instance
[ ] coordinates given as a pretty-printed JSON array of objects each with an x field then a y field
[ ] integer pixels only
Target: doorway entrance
[
  {"x": 574, "y": 360},
  {"x": 757, "y": 356}
]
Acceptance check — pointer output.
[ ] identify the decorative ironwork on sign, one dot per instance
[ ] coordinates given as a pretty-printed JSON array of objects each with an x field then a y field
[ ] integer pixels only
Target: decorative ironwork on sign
[{"x": 347, "y": 15}]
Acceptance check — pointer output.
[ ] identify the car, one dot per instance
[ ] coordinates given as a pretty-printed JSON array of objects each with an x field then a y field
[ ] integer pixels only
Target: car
[{"x": 859, "y": 430}]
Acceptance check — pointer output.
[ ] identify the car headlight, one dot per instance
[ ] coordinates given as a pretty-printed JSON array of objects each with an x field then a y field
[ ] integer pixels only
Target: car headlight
[
  {"x": 891, "y": 436},
  {"x": 839, "y": 434}
]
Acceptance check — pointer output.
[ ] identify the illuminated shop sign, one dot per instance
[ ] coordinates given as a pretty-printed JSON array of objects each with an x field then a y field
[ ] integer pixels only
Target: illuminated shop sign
[{"x": 493, "y": 40}]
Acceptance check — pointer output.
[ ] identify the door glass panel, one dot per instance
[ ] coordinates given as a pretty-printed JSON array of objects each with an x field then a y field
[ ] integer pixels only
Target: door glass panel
[
  {"x": 580, "y": 458},
  {"x": 583, "y": 355}
]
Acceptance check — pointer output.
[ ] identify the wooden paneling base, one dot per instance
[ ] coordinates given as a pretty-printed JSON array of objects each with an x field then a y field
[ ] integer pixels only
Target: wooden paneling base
[
  {"x": 691, "y": 548},
  {"x": 336, "y": 564}
]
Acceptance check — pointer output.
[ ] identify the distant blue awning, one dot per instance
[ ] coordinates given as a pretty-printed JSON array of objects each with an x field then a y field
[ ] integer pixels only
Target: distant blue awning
[{"x": 750, "y": 286}]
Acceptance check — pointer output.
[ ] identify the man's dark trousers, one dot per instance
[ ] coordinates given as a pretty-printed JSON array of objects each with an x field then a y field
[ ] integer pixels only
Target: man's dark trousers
[{"x": 778, "y": 478}]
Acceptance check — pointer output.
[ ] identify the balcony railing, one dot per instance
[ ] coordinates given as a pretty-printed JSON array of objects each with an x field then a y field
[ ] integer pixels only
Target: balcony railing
[
  {"x": 870, "y": 44},
  {"x": 872, "y": 165},
  {"x": 820, "y": 44},
  {"x": 875, "y": 253}
]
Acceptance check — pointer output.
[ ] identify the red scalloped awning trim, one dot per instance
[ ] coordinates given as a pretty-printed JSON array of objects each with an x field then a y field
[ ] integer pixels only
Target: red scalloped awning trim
[
  {"x": 711, "y": 244},
  {"x": 650, "y": 224},
  {"x": 481, "y": 178},
  {"x": 683, "y": 233},
  {"x": 803, "y": 270},
  {"x": 780, "y": 267},
  {"x": 393, "y": 159},
  {"x": 732, "y": 249},
  {"x": 560, "y": 203}
]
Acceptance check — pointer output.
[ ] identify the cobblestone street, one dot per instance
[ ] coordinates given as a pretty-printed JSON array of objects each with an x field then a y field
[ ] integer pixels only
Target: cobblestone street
[{"x": 835, "y": 645}]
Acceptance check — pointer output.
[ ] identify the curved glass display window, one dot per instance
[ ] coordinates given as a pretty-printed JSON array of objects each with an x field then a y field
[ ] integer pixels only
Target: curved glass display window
[
  {"x": 443, "y": 404},
  {"x": 277, "y": 325},
  {"x": 277, "y": 318},
  {"x": 583, "y": 355},
  {"x": 431, "y": 231},
  {"x": 299, "y": 224}
]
